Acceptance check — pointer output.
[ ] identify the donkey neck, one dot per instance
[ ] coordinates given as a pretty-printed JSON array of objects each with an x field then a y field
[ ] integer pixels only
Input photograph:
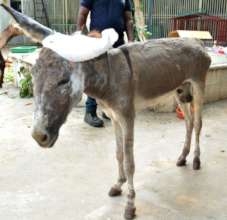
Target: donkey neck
[{"x": 96, "y": 77}]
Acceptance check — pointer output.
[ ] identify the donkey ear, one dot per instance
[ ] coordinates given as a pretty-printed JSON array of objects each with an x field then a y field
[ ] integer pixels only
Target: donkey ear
[{"x": 28, "y": 26}]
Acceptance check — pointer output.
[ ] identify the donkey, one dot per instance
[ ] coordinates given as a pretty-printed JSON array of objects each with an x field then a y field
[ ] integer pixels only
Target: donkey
[
  {"x": 5, "y": 37},
  {"x": 122, "y": 80},
  {"x": 10, "y": 32}
]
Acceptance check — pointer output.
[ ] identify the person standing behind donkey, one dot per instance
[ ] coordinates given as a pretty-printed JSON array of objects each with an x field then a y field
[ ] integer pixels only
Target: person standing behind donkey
[
  {"x": 105, "y": 14},
  {"x": 2, "y": 69}
]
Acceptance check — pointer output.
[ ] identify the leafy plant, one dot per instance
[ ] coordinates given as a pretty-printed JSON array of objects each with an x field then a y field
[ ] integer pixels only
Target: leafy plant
[
  {"x": 9, "y": 76},
  {"x": 25, "y": 84},
  {"x": 144, "y": 30},
  {"x": 138, "y": 30}
]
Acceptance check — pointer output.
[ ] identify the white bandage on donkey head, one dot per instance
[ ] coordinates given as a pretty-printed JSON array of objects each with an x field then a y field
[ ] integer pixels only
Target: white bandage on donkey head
[{"x": 78, "y": 47}]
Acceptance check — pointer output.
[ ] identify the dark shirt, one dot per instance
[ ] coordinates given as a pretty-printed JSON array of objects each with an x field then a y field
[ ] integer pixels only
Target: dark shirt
[{"x": 107, "y": 14}]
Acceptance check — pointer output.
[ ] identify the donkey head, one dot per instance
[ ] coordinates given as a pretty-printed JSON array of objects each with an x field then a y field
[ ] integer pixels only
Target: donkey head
[
  {"x": 57, "y": 78},
  {"x": 58, "y": 85}
]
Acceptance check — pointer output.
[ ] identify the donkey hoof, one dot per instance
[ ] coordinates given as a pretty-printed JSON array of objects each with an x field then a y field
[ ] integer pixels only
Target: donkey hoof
[
  {"x": 181, "y": 162},
  {"x": 196, "y": 163},
  {"x": 130, "y": 213},
  {"x": 115, "y": 192}
]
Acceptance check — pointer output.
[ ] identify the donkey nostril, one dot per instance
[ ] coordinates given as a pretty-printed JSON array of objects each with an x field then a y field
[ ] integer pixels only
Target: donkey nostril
[
  {"x": 40, "y": 137},
  {"x": 179, "y": 91},
  {"x": 44, "y": 138}
]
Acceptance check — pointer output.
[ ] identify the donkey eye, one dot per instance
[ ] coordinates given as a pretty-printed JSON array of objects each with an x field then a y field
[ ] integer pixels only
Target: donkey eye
[{"x": 63, "y": 82}]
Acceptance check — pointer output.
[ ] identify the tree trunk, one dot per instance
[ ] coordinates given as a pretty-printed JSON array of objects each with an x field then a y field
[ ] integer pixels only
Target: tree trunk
[{"x": 139, "y": 19}]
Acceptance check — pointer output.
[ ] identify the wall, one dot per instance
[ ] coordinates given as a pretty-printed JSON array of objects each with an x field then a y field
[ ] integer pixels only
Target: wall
[{"x": 5, "y": 18}]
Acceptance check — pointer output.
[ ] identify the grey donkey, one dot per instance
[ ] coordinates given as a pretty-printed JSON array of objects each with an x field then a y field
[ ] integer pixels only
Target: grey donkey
[{"x": 122, "y": 80}]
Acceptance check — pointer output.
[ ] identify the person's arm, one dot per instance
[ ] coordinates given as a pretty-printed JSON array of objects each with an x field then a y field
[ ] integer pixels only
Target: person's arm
[
  {"x": 129, "y": 20},
  {"x": 129, "y": 25},
  {"x": 82, "y": 18}
]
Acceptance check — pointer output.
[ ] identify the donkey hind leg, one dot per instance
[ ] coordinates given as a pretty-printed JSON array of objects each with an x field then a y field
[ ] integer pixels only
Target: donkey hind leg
[
  {"x": 186, "y": 108},
  {"x": 198, "y": 94},
  {"x": 116, "y": 189}
]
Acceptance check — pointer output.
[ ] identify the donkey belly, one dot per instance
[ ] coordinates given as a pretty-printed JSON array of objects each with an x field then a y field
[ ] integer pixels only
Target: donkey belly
[{"x": 163, "y": 100}]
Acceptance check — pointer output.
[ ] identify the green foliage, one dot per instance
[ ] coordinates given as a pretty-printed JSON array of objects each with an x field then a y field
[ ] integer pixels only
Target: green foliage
[
  {"x": 9, "y": 76},
  {"x": 25, "y": 84},
  {"x": 143, "y": 30}
]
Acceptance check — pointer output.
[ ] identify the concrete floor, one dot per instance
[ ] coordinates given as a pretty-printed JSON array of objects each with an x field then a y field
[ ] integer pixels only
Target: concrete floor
[{"x": 71, "y": 180}]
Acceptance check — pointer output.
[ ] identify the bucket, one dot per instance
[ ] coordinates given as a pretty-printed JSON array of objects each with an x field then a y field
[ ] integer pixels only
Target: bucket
[{"x": 23, "y": 49}]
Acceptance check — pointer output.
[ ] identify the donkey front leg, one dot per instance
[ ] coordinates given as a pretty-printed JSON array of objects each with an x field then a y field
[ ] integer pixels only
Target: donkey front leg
[
  {"x": 116, "y": 189},
  {"x": 128, "y": 138}
]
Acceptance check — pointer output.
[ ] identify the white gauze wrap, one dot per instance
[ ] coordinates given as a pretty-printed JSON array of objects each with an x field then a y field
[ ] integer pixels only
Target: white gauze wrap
[{"x": 78, "y": 47}]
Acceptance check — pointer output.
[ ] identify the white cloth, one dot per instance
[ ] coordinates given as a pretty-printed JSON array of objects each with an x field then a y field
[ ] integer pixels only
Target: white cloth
[{"x": 78, "y": 47}]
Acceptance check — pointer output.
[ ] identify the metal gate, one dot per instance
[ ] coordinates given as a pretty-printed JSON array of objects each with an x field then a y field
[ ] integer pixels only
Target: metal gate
[
  {"x": 158, "y": 13},
  {"x": 62, "y": 14}
]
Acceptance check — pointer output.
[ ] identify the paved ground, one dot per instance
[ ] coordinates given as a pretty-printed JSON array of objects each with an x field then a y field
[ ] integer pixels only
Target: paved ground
[{"x": 71, "y": 180}]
